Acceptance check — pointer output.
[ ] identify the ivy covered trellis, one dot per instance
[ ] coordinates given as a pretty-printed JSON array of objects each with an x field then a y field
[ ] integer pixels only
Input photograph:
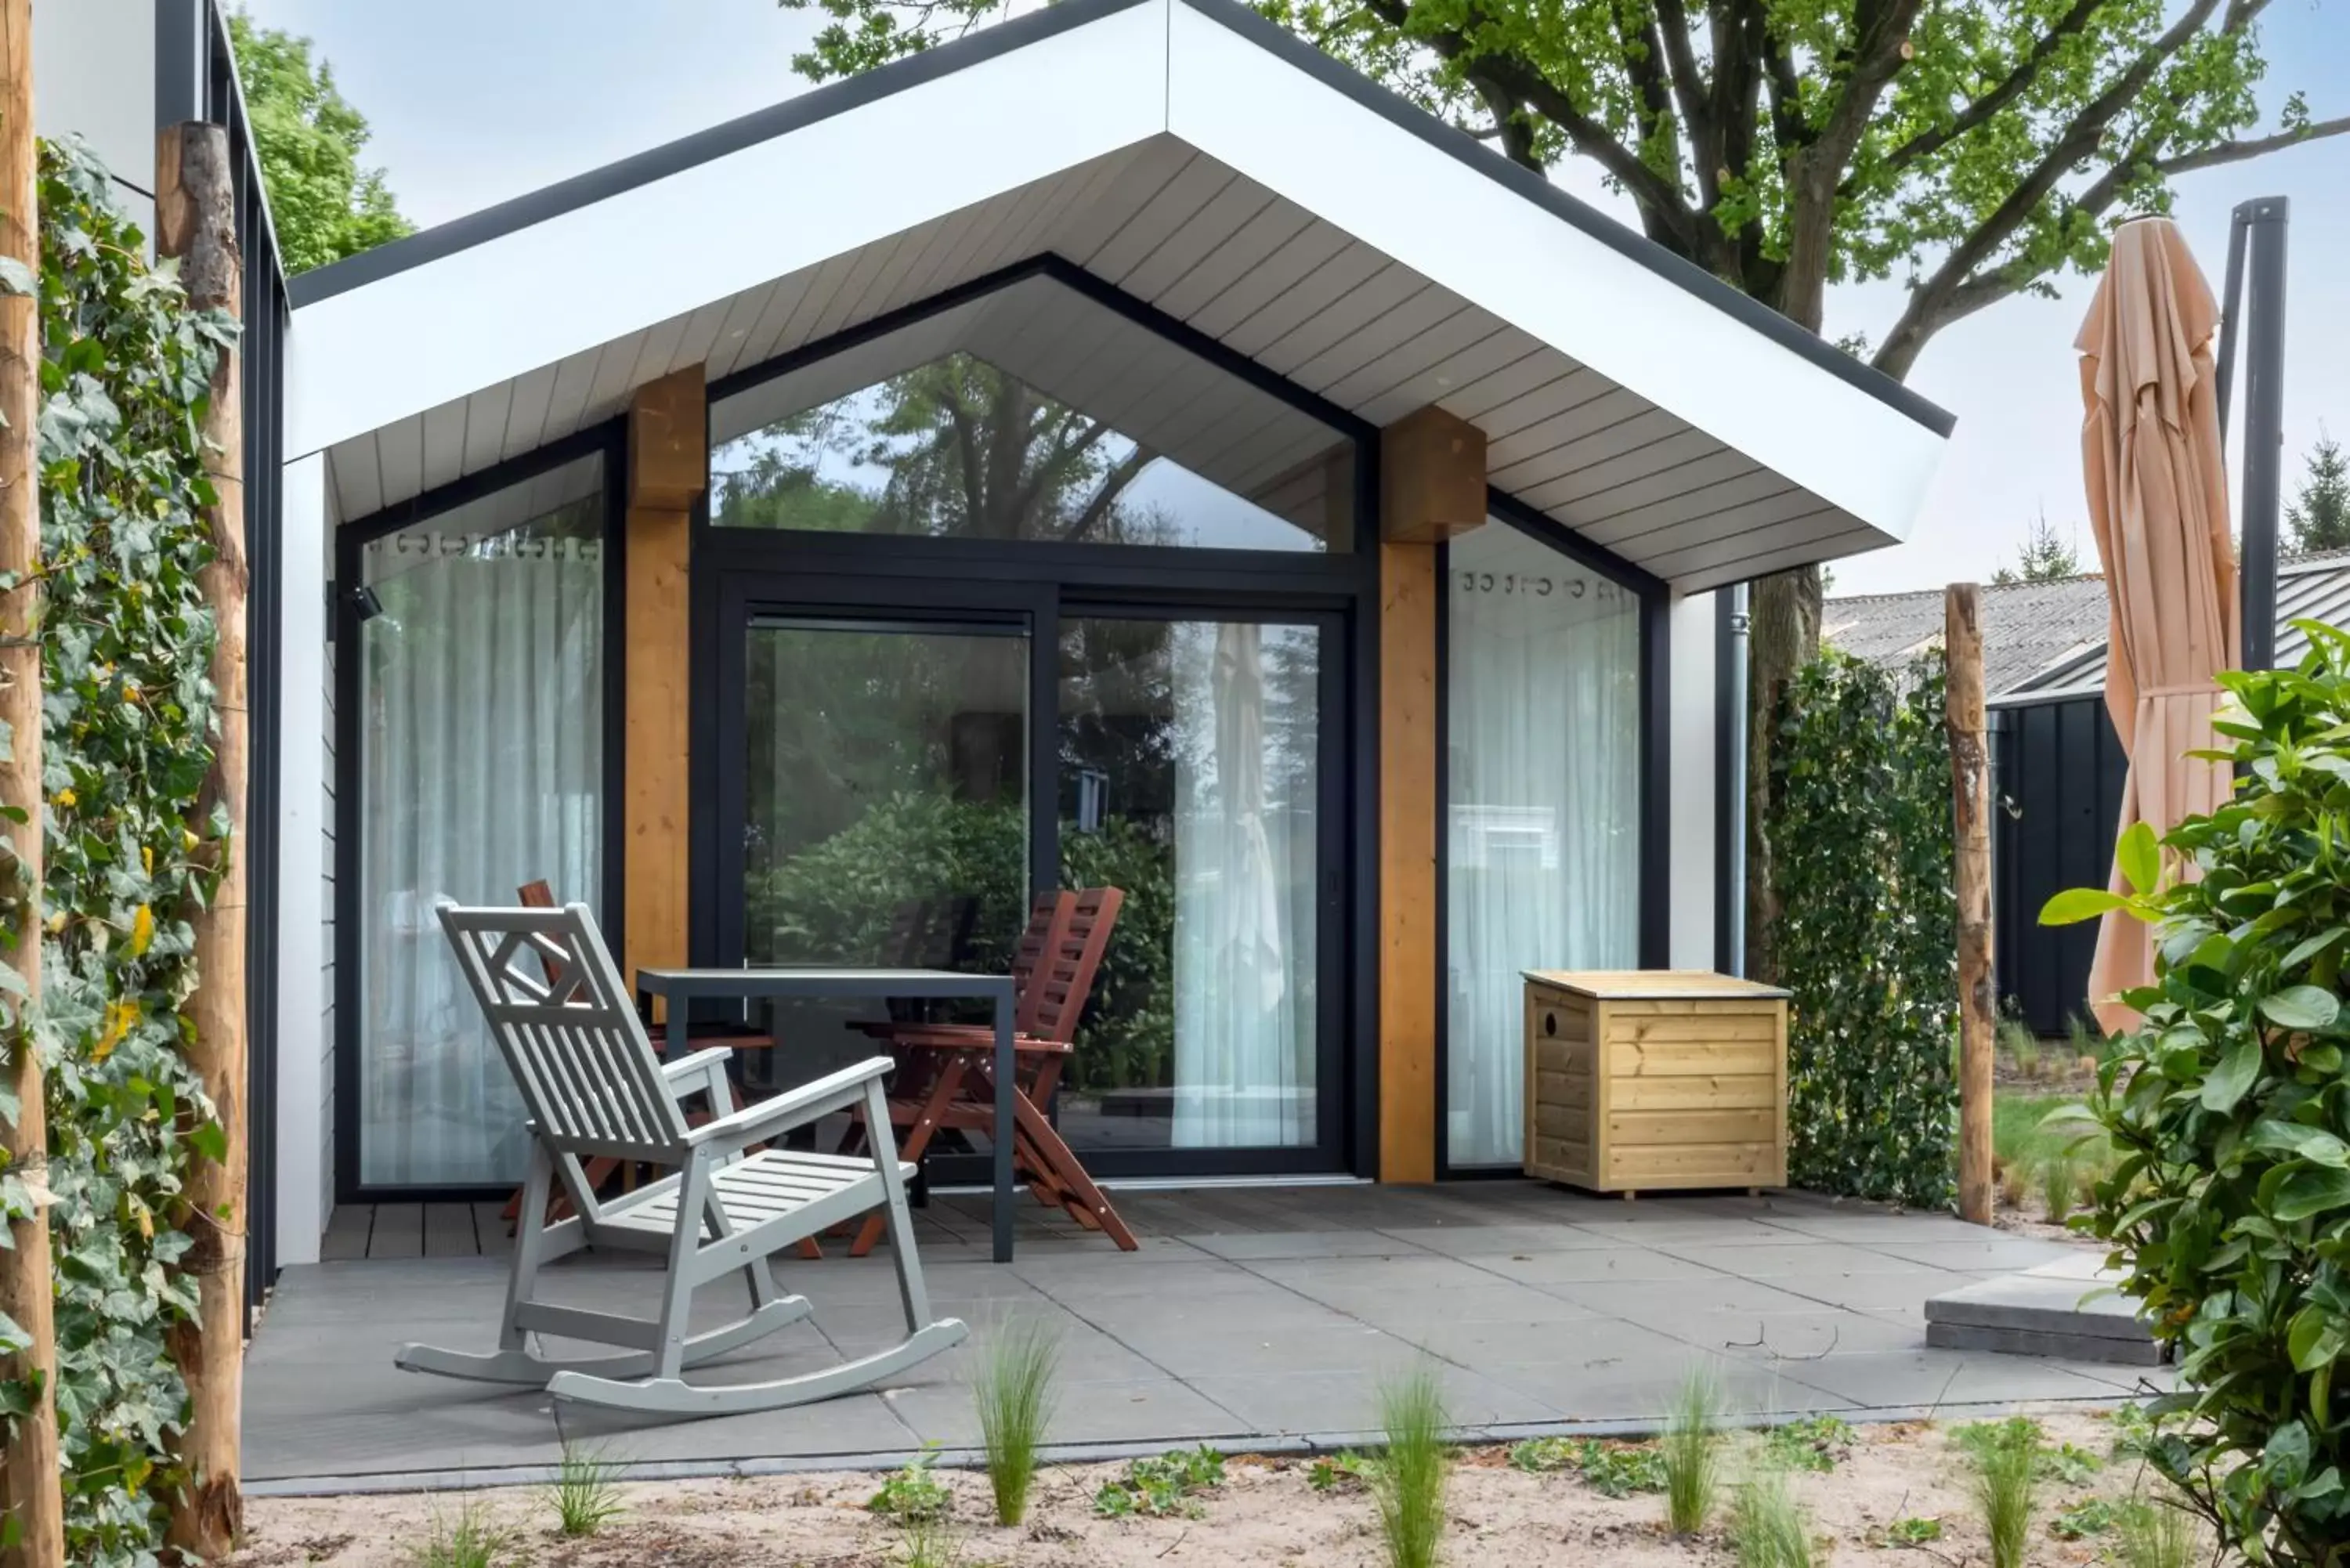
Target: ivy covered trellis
[
  {"x": 1861, "y": 830},
  {"x": 127, "y": 721}
]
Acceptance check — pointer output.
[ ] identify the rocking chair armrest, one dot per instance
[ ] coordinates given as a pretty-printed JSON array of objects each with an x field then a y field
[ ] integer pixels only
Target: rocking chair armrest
[
  {"x": 763, "y": 1119},
  {"x": 976, "y": 1037},
  {"x": 701, "y": 1073}
]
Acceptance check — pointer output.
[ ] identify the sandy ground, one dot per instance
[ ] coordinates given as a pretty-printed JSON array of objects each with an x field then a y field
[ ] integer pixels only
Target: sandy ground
[{"x": 1266, "y": 1512}]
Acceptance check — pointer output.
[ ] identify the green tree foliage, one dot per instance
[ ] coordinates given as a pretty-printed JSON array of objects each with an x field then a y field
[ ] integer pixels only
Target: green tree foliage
[
  {"x": 2228, "y": 1210},
  {"x": 326, "y": 206},
  {"x": 2320, "y": 515},
  {"x": 2044, "y": 558},
  {"x": 1973, "y": 148},
  {"x": 127, "y": 721},
  {"x": 1861, "y": 796}
]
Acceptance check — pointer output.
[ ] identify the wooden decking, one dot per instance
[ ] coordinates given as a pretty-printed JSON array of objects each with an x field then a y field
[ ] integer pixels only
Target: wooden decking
[{"x": 414, "y": 1230}]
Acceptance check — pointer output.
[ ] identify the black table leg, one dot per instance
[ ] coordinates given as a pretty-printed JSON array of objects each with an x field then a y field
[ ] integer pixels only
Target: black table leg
[{"x": 1006, "y": 1086}]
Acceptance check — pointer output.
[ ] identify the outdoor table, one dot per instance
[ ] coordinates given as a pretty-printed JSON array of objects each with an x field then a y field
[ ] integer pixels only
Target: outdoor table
[{"x": 682, "y": 987}]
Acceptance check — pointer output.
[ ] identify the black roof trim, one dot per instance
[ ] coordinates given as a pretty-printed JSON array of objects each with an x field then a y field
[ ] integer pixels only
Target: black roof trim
[
  {"x": 839, "y": 97},
  {"x": 687, "y": 152},
  {"x": 1590, "y": 219}
]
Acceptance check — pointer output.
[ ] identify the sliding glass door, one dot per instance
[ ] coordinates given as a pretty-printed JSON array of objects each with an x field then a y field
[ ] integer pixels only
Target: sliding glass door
[{"x": 898, "y": 777}]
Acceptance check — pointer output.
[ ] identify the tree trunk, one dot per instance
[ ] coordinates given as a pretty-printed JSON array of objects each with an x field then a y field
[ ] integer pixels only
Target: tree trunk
[
  {"x": 1970, "y": 802},
  {"x": 195, "y": 216},
  {"x": 30, "y": 1477},
  {"x": 1782, "y": 636}
]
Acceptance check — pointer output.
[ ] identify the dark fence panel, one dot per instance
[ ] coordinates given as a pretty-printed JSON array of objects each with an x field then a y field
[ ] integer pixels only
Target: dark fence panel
[{"x": 2057, "y": 772}]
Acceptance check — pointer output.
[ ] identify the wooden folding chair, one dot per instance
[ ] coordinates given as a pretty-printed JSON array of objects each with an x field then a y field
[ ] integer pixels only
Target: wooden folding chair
[
  {"x": 580, "y": 1056},
  {"x": 960, "y": 1090}
]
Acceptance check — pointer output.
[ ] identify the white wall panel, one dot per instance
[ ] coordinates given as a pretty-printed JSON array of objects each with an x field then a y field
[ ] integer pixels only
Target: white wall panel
[
  {"x": 303, "y": 952},
  {"x": 1690, "y": 811}
]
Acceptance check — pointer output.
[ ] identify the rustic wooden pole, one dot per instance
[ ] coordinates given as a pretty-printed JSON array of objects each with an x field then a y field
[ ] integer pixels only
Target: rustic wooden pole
[
  {"x": 1971, "y": 803},
  {"x": 195, "y": 220},
  {"x": 30, "y": 1480}
]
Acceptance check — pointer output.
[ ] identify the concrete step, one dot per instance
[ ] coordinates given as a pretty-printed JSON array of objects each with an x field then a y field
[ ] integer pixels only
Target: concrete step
[{"x": 2042, "y": 1311}]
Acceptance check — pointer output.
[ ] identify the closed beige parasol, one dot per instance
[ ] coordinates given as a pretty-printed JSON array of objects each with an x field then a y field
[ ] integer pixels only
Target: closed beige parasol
[{"x": 2156, "y": 467}]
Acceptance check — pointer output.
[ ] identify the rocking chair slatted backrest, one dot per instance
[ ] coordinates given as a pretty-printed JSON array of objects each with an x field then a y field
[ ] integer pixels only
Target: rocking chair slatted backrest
[
  {"x": 1066, "y": 976},
  {"x": 569, "y": 1033}
]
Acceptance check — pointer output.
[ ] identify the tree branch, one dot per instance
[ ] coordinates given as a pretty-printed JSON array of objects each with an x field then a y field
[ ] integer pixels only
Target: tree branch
[
  {"x": 1510, "y": 128},
  {"x": 1930, "y": 302},
  {"x": 1517, "y": 82},
  {"x": 1112, "y": 484},
  {"x": 2238, "y": 152},
  {"x": 2027, "y": 71}
]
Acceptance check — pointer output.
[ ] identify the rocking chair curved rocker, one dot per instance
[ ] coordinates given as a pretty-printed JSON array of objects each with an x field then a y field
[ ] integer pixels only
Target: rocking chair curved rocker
[{"x": 593, "y": 1087}]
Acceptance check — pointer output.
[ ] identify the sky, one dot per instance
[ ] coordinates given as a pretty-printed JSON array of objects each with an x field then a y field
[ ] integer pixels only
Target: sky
[{"x": 544, "y": 88}]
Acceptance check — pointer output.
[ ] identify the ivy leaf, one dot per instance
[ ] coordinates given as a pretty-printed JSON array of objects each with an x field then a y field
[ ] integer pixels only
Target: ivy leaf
[
  {"x": 17, "y": 278},
  {"x": 2232, "y": 1076},
  {"x": 2301, "y": 1007}
]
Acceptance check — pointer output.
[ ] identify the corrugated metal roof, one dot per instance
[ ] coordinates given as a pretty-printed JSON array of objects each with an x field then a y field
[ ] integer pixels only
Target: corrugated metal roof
[{"x": 2049, "y": 638}]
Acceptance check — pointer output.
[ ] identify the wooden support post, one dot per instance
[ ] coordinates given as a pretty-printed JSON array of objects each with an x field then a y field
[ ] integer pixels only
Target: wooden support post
[
  {"x": 195, "y": 221},
  {"x": 668, "y": 467},
  {"x": 1432, "y": 486},
  {"x": 1971, "y": 804},
  {"x": 30, "y": 1480}
]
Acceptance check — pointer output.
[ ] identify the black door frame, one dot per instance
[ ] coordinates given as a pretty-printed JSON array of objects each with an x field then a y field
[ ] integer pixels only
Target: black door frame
[{"x": 772, "y": 577}]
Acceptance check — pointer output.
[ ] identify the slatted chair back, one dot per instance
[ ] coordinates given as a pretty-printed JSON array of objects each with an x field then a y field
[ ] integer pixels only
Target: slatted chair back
[
  {"x": 1066, "y": 978},
  {"x": 1048, "y": 918},
  {"x": 568, "y": 1032}
]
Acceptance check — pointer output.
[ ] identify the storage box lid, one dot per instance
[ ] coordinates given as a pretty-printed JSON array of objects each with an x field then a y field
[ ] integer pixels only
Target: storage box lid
[{"x": 1652, "y": 984}]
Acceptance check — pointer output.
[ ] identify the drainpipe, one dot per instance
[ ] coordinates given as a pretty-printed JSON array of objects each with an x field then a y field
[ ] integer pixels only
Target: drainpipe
[{"x": 1734, "y": 882}]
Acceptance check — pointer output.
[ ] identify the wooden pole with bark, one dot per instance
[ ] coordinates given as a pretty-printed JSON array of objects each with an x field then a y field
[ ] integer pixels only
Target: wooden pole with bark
[
  {"x": 1971, "y": 804},
  {"x": 30, "y": 1480},
  {"x": 195, "y": 220}
]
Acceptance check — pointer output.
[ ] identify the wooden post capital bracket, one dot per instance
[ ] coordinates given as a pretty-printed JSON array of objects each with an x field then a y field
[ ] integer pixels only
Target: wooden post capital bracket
[{"x": 668, "y": 443}]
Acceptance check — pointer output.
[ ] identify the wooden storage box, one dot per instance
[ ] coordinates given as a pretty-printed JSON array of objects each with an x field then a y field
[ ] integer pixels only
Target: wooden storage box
[{"x": 1640, "y": 1080}]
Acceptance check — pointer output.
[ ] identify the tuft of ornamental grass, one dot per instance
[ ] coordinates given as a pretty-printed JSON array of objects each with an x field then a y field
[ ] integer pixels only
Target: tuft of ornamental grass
[
  {"x": 1692, "y": 1447},
  {"x": 1016, "y": 1405},
  {"x": 2157, "y": 1535},
  {"x": 2006, "y": 1478},
  {"x": 2023, "y": 1047},
  {"x": 470, "y": 1539},
  {"x": 930, "y": 1541},
  {"x": 2060, "y": 1186},
  {"x": 1768, "y": 1527},
  {"x": 1408, "y": 1483},
  {"x": 586, "y": 1496}
]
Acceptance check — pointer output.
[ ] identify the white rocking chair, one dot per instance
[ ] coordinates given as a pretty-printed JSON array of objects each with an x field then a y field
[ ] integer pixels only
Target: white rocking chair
[{"x": 592, "y": 1086}]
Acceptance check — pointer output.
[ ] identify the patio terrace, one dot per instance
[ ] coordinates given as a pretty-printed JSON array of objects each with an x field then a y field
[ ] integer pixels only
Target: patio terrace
[{"x": 1254, "y": 1318}]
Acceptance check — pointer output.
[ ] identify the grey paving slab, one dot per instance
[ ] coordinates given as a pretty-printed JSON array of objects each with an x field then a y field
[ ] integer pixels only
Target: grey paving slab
[
  {"x": 1583, "y": 1266},
  {"x": 2034, "y": 1302},
  {"x": 2044, "y": 1342},
  {"x": 1286, "y": 1403},
  {"x": 1246, "y": 1314},
  {"x": 1639, "y": 1301},
  {"x": 1997, "y": 1252},
  {"x": 1490, "y": 1240},
  {"x": 1931, "y": 1378},
  {"x": 1253, "y": 1245}
]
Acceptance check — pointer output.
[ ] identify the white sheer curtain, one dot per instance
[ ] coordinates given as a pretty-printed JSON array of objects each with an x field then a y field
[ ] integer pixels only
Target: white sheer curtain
[
  {"x": 482, "y": 759},
  {"x": 1544, "y": 781},
  {"x": 1243, "y": 890}
]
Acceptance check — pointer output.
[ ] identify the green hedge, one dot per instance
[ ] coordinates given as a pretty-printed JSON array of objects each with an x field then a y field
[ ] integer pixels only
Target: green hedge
[{"x": 1861, "y": 835}]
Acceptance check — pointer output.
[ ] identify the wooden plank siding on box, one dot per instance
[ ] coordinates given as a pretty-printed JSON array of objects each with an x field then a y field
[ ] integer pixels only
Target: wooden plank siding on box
[{"x": 1655, "y": 1079}]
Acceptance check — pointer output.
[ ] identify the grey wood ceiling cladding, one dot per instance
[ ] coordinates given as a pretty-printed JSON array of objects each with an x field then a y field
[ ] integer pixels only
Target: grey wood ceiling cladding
[{"x": 1183, "y": 232}]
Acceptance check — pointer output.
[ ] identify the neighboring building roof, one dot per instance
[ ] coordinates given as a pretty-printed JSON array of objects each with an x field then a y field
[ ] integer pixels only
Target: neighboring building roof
[
  {"x": 1188, "y": 163},
  {"x": 2027, "y": 628},
  {"x": 2049, "y": 638}
]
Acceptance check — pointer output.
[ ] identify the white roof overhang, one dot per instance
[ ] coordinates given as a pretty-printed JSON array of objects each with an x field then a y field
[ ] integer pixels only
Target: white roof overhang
[{"x": 1209, "y": 168}]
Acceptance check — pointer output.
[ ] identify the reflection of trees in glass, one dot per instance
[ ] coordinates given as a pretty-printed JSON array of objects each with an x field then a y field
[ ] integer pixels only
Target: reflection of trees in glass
[{"x": 957, "y": 449}]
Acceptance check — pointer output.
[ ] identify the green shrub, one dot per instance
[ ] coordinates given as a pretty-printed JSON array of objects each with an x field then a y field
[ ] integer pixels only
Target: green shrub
[
  {"x": 913, "y": 1494},
  {"x": 1864, "y": 935},
  {"x": 1170, "y": 1483},
  {"x": 1809, "y": 1443},
  {"x": 2228, "y": 1109}
]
